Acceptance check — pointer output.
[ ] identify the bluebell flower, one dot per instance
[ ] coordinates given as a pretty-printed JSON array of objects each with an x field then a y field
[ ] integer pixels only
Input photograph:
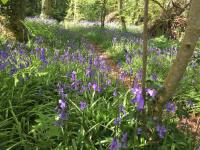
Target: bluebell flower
[
  {"x": 139, "y": 131},
  {"x": 83, "y": 105},
  {"x": 117, "y": 121},
  {"x": 42, "y": 56},
  {"x": 122, "y": 109},
  {"x": 151, "y": 92},
  {"x": 139, "y": 100},
  {"x": 124, "y": 140},
  {"x": 114, "y": 145},
  {"x": 161, "y": 130},
  {"x": 115, "y": 93},
  {"x": 154, "y": 77},
  {"x": 170, "y": 106},
  {"x": 62, "y": 104},
  {"x": 89, "y": 72},
  {"x": 73, "y": 75}
]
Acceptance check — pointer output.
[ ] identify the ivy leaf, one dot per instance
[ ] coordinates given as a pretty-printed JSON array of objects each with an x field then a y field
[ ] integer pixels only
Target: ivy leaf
[{"x": 4, "y": 1}]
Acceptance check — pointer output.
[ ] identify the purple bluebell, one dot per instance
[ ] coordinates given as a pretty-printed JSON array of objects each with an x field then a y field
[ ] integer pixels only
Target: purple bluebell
[
  {"x": 151, "y": 92},
  {"x": 73, "y": 75},
  {"x": 115, "y": 93},
  {"x": 154, "y": 77},
  {"x": 3, "y": 54},
  {"x": 139, "y": 74},
  {"x": 170, "y": 106},
  {"x": 3, "y": 66},
  {"x": 62, "y": 104},
  {"x": 108, "y": 82},
  {"x": 117, "y": 121},
  {"x": 62, "y": 115},
  {"x": 123, "y": 75},
  {"x": 83, "y": 105},
  {"x": 89, "y": 72},
  {"x": 161, "y": 130},
  {"x": 122, "y": 109},
  {"x": 139, "y": 100},
  {"x": 198, "y": 148},
  {"x": 89, "y": 85},
  {"x": 83, "y": 89},
  {"x": 114, "y": 145},
  {"x": 124, "y": 140},
  {"x": 139, "y": 131},
  {"x": 75, "y": 84},
  {"x": 42, "y": 56},
  {"x": 128, "y": 58}
]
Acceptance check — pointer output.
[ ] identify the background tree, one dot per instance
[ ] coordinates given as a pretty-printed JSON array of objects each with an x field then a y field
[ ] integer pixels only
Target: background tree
[
  {"x": 103, "y": 13},
  {"x": 15, "y": 14},
  {"x": 122, "y": 17},
  {"x": 46, "y": 9}
]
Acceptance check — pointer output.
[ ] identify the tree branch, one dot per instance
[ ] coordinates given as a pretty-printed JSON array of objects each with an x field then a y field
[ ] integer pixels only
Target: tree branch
[{"x": 159, "y": 4}]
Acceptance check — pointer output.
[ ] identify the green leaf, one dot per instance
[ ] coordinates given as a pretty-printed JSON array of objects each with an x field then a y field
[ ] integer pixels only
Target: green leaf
[{"x": 4, "y": 1}]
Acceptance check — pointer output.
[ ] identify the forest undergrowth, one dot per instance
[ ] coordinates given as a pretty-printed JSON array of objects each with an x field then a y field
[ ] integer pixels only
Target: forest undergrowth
[{"x": 56, "y": 92}]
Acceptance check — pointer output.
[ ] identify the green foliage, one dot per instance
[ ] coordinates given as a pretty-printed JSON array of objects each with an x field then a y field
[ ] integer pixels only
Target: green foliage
[
  {"x": 4, "y": 1},
  {"x": 162, "y": 42}
]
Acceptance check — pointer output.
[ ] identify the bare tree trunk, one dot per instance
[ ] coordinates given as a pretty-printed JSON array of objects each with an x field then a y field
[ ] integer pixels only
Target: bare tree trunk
[
  {"x": 75, "y": 10},
  {"x": 103, "y": 13},
  {"x": 183, "y": 56},
  {"x": 122, "y": 18},
  {"x": 46, "y": 11},
  {"x": 15, "y": 17},
  {"x": 145, "y": 47}
]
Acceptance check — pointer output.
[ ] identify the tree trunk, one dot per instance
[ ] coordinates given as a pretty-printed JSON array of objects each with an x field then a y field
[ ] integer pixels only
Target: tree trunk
[
  {"x": 46, "y": 10},
  {"x": 103, "y": 13},
  {"x": 145, "y": 48},
  {"x": 183, "y": 56},
  {"x": 15, "y": 17},
  {"x": 75, "y": 10},
  {"x": 122, "y": 18}
]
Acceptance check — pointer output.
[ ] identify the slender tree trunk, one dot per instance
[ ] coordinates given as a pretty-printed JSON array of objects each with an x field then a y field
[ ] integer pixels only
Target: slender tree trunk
[
  {"x": 145, "y": 46},
  {"x": 75, "y": 10},
  {"x": 184, "y": 54},
  {"x": 46, "y": 11},
  {"x": 122, "y": 18},
  {"x": 15, "y": 17},
  {"x": 103, "y": 13}
]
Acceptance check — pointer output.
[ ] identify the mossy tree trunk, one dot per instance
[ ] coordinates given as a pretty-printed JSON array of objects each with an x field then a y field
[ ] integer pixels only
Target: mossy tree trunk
[
  {"x": 183, "y": 57},
  {"x": 16, "y": 15},
  {"x": 46, "y": 9}
]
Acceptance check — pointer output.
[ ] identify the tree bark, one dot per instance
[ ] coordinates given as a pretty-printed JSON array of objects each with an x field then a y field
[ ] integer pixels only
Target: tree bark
[
  {"x": 15, "y": 17},
  {"x": 145, "y": 47},
  {"x": 183, "y": 56},
  {"x": 46, "y": 10},
  {"x": 122, "y": 18},
  {"x": 103, "y": 13}
]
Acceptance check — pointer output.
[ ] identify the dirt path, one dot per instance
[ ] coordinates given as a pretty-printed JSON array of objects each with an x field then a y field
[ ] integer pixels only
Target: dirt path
[{"x": 115, "y": 70}]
